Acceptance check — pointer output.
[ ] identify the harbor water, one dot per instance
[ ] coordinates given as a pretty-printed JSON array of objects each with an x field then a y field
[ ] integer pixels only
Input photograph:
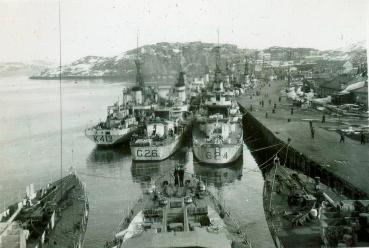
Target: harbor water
[{"x": 30, "y": 153}]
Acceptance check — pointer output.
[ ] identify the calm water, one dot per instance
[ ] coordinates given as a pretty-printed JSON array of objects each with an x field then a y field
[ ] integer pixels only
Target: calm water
[{"x": 30, "y": 153}]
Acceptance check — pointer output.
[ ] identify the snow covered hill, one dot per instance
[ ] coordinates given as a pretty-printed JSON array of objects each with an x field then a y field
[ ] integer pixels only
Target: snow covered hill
[{"x": 160, "y": 60}]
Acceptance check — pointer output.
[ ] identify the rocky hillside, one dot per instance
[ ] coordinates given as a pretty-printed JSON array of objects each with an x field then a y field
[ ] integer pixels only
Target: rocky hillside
[
  {"x": 160, "y": 60},
  {"x": 355, "y": 53}
]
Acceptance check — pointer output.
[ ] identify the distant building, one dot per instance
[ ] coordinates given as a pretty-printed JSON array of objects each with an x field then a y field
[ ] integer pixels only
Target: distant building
[
  {"x": 358, "y": 92},
  {"x": 348, "y": 68},
  {"x": 361, "y": 96},
  {"x": 314, "y": 58},
  {"x": 328, "y": 87}
]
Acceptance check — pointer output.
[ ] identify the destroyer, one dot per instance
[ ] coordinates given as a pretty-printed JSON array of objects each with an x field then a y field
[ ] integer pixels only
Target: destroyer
[
  {"x": 165, "y": 130},
  {"x": 54, "y": 216},
  {"x": 123, "y": 119},
  {"x": 303, "y": 212},
  {"x": 118, "y": 127},
  {"x": 177, "y": 211},
  {"x": 217, "y": 134}
]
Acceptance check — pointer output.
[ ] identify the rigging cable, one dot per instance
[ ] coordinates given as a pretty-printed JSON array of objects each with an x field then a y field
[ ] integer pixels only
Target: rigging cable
[
  {"x": 266, "y": 147},
  {"x": 60, "y": 103},
  {"x": 266, "y": 163},
  {"x": 275, "y": 171}
]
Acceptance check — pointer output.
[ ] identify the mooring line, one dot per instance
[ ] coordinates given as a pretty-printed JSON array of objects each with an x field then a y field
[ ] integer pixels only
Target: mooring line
[{"x": 266, "y": 147}]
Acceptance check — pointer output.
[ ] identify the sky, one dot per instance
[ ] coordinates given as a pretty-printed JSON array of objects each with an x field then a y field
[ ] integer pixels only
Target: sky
[{"x": 29, "y": 29}]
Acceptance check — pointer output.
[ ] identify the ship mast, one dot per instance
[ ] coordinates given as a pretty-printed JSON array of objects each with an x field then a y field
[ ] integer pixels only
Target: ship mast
[
  {"x": 180, "y": 79},
  {"x": 139, "y": 76},
  {"x": 60, "y": 101},
  {"x": 217, "y": 76},
  {"x": 246, "y": 71}
]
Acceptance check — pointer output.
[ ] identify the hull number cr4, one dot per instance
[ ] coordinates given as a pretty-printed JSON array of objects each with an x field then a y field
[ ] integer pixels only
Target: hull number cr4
[
  {"x": 103, "y": 138},
  {"x": 146, "y": 153}
]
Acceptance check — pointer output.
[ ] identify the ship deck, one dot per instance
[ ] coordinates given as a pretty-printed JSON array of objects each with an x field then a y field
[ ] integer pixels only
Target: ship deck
[
  {"x": 281, "y": 216},
  {"x": 71, "y": 224},
  {"x": 201, "y": 137},
  {"x": 232, "y": 230},
  {"x": 70, "y": 215}
]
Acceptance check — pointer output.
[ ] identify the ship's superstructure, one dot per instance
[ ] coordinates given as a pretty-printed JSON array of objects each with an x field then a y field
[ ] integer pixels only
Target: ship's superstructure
[
  {"x": 178, "y": 97},
  {"x": 53, "y": 216},
  {"x": 161, "y": 138},
  {"x": 244, "y": 81},
  {"x": 165, "y": 129},
  {"x": 302, "y": 211},
  {"x": 144, "y": 98},
  {"x": 123, "y": 118},
  {"x": 177, "y": 211},
  {"x": 118, "y": 127},
  {"x": 217, "y": 134},
  {"x": 345, "y": 223}
]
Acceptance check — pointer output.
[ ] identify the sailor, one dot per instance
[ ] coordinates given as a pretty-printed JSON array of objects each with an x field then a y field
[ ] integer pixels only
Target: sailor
[
  {"x": 342, "y": 139},
  {"x": 362, "y": 138},
  {"x": 323, "y": 118},
  {"x": 176, "y": 176},
  {"x": 181, "y": 176},
  {"x": 312, "y": 132},
  {"x": 291, "y": 111}
]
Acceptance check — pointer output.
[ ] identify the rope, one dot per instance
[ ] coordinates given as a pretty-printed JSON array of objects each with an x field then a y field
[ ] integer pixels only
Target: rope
[
  {"x": 285, "y": 159},
  {"x": 275, "y": 171},
  {"x": 102, "y": 176},
  {"x": 266, "y": 147},
  {"x": 264, "y": 165},
  {"x": 271, "y": 192}
]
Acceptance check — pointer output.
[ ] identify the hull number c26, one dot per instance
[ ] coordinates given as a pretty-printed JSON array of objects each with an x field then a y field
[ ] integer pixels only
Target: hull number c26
[{"x": 146, "y": 153}]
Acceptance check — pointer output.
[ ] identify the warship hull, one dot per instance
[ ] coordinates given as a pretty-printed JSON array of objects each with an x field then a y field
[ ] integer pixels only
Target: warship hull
[
  {"x": 110, "y": 137},
  {"x": 217, "y": 154},
  {"x": 156, "y": 152},
  {"x": 54, "y": 216},
  {"x": 177, "y": 211}
]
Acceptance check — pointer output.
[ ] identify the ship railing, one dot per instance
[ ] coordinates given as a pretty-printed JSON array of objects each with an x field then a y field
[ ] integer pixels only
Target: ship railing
[
  {"x": 128, "y": 214},
  {"x": 197, "y": 210},
  {"x": 221, "y": 208},
  {"x": 152, "y": 141},
  {"x": 152, "y": 212}
]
